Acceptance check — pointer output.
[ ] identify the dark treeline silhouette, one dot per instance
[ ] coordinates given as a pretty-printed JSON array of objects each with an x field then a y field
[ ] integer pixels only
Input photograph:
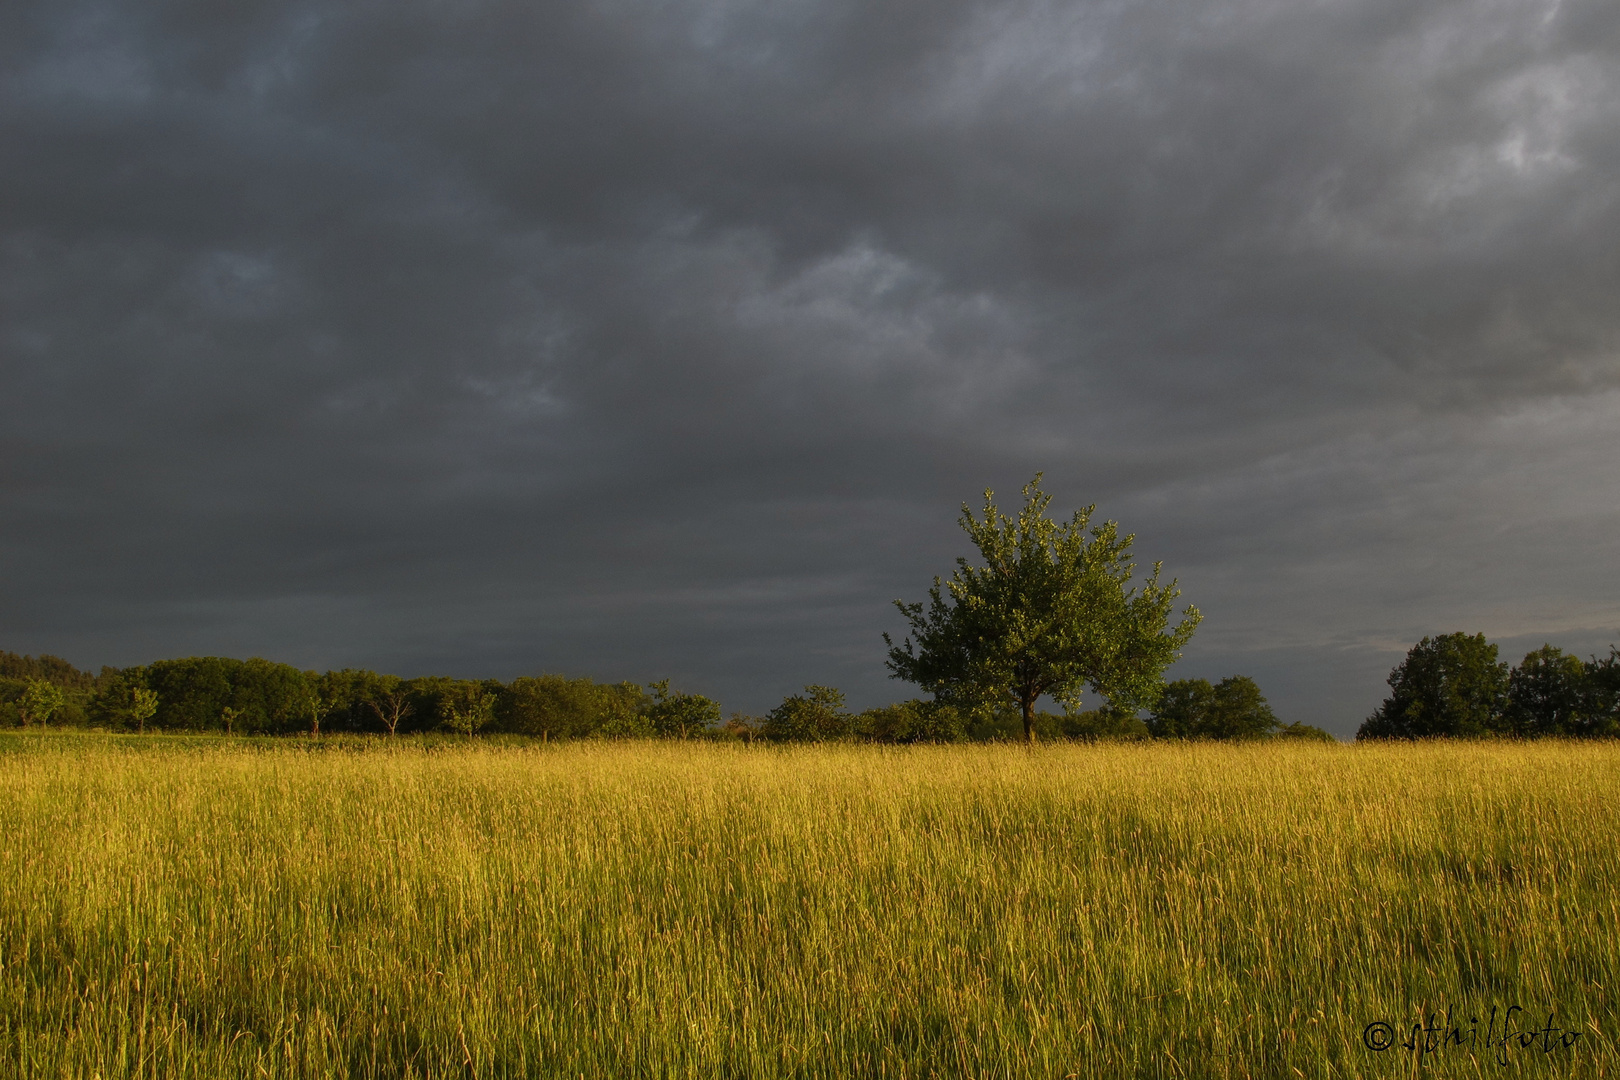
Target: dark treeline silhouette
[
  {"x": 260, "y": 697},
  {"x": 1453, "y": 686}
]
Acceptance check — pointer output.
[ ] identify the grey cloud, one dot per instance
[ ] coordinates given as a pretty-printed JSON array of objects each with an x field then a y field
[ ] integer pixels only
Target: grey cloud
[{"x": 641, "y": 338}]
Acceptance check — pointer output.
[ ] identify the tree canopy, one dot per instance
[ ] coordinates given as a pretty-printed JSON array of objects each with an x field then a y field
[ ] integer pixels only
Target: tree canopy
[
  {"x": 1233, "y": 708},
  {"x": 816, "y": 715},
  {"x": 1447, "y": 685},
  {"x": 1051, "y": 612}
]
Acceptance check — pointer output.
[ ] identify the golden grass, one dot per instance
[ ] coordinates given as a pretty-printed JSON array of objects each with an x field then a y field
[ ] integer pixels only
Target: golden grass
[{"x": 209, "y": 908}]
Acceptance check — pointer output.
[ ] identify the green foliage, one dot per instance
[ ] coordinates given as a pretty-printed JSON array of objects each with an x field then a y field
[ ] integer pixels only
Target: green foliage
[
  {"x": 1100, "y": 724},
  {"x": 1308, "y": 732},
  {"x": 350, "y": 693},
  {"x": 379, "y": 701},
  {"x": 817, "y": 715},
  {"x": 1453, "y": 686},
  {"x": 19, "y": 673},
  {"x": 258, "y": 697},
  {"x": 1005, "y": 723},
  {"x": 1544, "y": 695},
  {"x": 124, "y": 701},
  {"x": 40, "y": 700},
  {"x": 625, "y": 724},
  {"x": 428, "y": 696},
  {"x": 46, "y": 668},
  {"x": 1234, "y": 708},
  {"x": 1182, "y": 709},
  {"x": 193, "y": 690},
  {"x": 913, "y": 721},
  {"x": 315, "y": 705},
  {"x": 193, "y": 693},
  {"x": 680, "y": 715},
  {"x": 1051, "y": 611},
  {"x": 468, "y": 707},
  {"x": 1600, "y": 697},
  {"x": 555, "y": 707},
  {"x": 1450, "y": 685},
  {"x": 742, "y": 728}
]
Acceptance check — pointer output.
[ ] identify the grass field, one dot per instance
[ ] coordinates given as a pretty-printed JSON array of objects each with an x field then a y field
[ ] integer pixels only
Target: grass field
[{"x": 208, "y": 908}]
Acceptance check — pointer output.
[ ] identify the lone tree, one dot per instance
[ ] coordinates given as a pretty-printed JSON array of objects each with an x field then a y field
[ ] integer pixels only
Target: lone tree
[{"x": 1050, "y": 612}]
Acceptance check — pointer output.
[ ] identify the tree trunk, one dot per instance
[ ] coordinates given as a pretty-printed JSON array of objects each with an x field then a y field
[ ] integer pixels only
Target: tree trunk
[{"x": 1028, "y": 702}]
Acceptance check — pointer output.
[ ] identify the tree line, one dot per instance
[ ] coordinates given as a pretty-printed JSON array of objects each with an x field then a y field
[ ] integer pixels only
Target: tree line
[
  {"x": 1454, "y": 686},
  {"x": 261, "y": 697}
]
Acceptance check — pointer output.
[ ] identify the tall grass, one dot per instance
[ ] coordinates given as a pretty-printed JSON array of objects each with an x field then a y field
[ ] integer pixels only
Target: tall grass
[{"x": 208, "y": 908}]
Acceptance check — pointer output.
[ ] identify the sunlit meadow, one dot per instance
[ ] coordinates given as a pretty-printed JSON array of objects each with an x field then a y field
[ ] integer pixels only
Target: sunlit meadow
[{"x": 215, "y": 908}]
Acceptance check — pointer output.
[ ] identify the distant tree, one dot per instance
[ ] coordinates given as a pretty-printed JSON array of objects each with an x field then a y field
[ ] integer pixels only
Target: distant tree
[
  {"x": 428, "y": 699},
  {"x": 910, "y": 722},
  {"x": 1448, "y": 686},
  {"x": 817, "y": 715},
  {"x": 195, "y": 691},
  {"x": 143, "y": 705},
  {"x": 1545, "y": 695},
  {"x": 887, "y": 723},
  {"x": 40, "y": 701},
  {"x": 270, "y": 694},
  {"x": 936, "y": 721},
  {"x": 1234, "y": 708},
  {"x": 388, "y": 698},
  {"x": 1106, "y": 723},
  {"x": 1297, "y": 730},
  {"x": 125, "y": 700},
  {"x": 553, "y": 707},
  {"x": 192, "y": 690},
  {"x": 1600, "y": 692},
  {"x": 1183, "y": 710},
  {"x": 1050, "y": 612},
  {"x": 228, "y": 717},
  {"x": 46, "y": 668},
  {"x": 625, "y": 724},
  {"x": 741, "y": 727},
  {"x": 468, "y": 707},
  {"x": 1241, "y": 711},
  {"x": 346, "y": 691},
  {"x": 317, "y": 707},
  {"x": 680, "y": 714}
]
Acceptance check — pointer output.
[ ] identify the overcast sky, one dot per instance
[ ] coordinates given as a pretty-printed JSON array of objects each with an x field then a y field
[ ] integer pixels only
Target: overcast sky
[{"x": 645, "y": 338}]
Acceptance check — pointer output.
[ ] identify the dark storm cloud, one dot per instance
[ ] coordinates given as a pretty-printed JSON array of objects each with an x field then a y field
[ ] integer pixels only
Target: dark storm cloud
[{"x": 641, "y": 338}]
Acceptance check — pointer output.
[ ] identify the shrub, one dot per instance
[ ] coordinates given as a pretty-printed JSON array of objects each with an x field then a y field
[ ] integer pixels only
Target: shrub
[{"x": 817, "y": 715}]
